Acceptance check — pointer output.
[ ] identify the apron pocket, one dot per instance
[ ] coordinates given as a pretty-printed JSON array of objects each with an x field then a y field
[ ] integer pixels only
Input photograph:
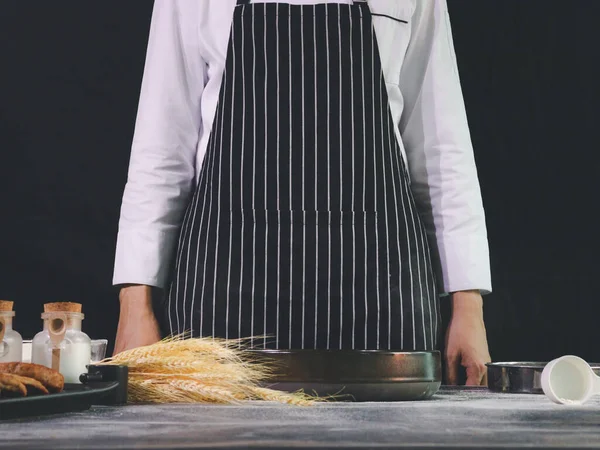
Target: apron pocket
[{"x": 299, "y": 217}]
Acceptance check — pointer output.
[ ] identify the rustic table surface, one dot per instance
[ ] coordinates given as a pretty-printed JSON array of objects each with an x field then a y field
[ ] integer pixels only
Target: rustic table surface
[{"x": 454, "y": 418}]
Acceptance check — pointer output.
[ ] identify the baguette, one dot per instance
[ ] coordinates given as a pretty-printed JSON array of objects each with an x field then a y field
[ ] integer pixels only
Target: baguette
[{"x": 52, "y": 380}]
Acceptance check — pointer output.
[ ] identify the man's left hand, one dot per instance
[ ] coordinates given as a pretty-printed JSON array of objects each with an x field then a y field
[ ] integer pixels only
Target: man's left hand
[{"x": 466, "y": 340}]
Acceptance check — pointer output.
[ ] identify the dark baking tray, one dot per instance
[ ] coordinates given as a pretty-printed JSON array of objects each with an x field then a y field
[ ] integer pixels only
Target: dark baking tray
[
  {"x": 102, "y": 386},
  {"x": 356, "y": 375}
]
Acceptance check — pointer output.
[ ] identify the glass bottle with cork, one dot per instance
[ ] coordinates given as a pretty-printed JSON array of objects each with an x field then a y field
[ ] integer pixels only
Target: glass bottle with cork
[
  {"x": 11, "y": 343},
  {"x": 62, "y": 345}
]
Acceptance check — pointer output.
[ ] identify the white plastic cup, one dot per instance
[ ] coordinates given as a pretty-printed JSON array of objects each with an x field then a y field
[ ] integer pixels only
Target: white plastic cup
[{"x": 569, "y": 380}]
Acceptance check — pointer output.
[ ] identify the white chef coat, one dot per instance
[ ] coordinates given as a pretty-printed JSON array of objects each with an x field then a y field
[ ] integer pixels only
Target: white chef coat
[{"x": 184, "y": 66}]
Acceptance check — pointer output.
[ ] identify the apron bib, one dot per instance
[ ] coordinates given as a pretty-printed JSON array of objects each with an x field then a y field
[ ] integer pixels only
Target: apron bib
[{"x": 303, "y": 232}]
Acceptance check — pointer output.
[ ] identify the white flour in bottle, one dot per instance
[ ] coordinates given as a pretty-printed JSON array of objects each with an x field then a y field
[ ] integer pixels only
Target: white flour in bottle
[
  {"x": 74, "y": 358},
  {"x": 62, "y": 345},
  {"x": 11, "y": 343},
  {"x": 11, "y": 348}
]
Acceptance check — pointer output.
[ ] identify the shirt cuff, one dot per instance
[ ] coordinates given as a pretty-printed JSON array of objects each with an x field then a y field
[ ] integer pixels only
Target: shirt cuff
[
  {"x": 463, "y": 263},
  {"x": 140, "y": 257}
]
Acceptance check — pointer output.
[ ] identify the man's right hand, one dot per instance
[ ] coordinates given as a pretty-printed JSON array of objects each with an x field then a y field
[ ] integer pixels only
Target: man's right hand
[{"x": 138, "y": 326}]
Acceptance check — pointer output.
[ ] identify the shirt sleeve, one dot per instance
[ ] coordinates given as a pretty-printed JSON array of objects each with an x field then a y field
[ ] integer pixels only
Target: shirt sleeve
[
  {"x": 162, "y": 165},
  {"x": 439, "y": 151}
]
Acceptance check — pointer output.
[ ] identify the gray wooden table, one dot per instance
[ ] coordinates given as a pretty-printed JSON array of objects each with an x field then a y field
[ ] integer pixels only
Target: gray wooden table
[{"x": 454, "y": 418}]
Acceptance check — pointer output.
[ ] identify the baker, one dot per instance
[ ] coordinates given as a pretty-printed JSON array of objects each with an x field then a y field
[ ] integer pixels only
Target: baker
[{"x": 303, "y": 174}]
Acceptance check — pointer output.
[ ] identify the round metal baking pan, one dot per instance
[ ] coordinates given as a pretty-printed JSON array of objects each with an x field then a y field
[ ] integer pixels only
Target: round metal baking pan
[
  {"x": 358, "y": 375},
  {"x": 520, "y": 377}
]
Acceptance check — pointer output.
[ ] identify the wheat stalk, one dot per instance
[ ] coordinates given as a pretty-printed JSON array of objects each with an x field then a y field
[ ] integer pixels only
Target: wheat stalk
[
  {"x": 218, "y": 349},
  {"x": 201, "y": 370},
  {"x": 270, "y": 395},
  {"x": 201, "y": 367}
]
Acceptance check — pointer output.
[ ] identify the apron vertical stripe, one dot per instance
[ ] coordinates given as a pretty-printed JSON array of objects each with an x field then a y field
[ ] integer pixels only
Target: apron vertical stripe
[
  {"x": 428, "y": 315},
  {"x": 187, "y": 228},
  {"x": 328, "y": 186},
  {"x": 266, "y": 188},
  {"x": 253, "y": 212},
  {"x": 415, "y": 240},
  {"x": 213, "y": 186},
  {"x": 290, "y": 149},
  {"x": 353, "y": 203},
  {"x": 242, "y": 156},
  {"x": 408, "y": 252},
  {"x": 201, "y": 235},
  {"x": 341, "y": 343},
  {"x": 376, "y": 194},
  {"x": 209, "y": 162},
  {"x": 364, "y": 185},
  {"x": 303, "y": 173},
  {"x": 278, "y": 149},
  {"x": 316, "y": 204},
  {"x": 393, "y": 169},
  {"x": 378, "y": 113},
  {"x": 234, "y": 104},
  {"x": 228, "y": 92}
]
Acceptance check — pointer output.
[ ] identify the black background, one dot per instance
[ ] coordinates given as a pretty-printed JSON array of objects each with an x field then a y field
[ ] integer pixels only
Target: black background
[{"x": 70, "y": 75}]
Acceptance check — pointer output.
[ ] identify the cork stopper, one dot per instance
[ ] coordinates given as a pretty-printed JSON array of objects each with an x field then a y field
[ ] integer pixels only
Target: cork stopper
[
  {"x": 62, "y": 307},
  {"x": 6, "y": 306}
]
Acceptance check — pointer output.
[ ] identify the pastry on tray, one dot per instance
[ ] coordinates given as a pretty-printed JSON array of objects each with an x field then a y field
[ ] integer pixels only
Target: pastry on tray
[
  {"x": 17, "y": 386},
  {"x": 22, "y": 379}
]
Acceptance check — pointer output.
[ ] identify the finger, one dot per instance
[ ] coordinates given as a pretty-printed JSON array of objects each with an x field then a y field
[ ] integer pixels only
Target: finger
[
  {"x": 475, "y": 374},
  {"x": 484, "y": 380},
  {"x": 452, "y": 363},
  {"x": 473, "y": 380}
]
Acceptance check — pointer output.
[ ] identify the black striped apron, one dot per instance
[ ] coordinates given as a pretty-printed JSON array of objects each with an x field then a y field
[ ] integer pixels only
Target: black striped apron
[{"x": 303, "y": 229}]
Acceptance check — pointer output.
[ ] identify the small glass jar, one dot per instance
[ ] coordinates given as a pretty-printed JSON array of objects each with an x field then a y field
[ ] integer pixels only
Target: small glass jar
[
  {"x": 62, "y": 345},
  {"x": 11, "y": 344}
]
